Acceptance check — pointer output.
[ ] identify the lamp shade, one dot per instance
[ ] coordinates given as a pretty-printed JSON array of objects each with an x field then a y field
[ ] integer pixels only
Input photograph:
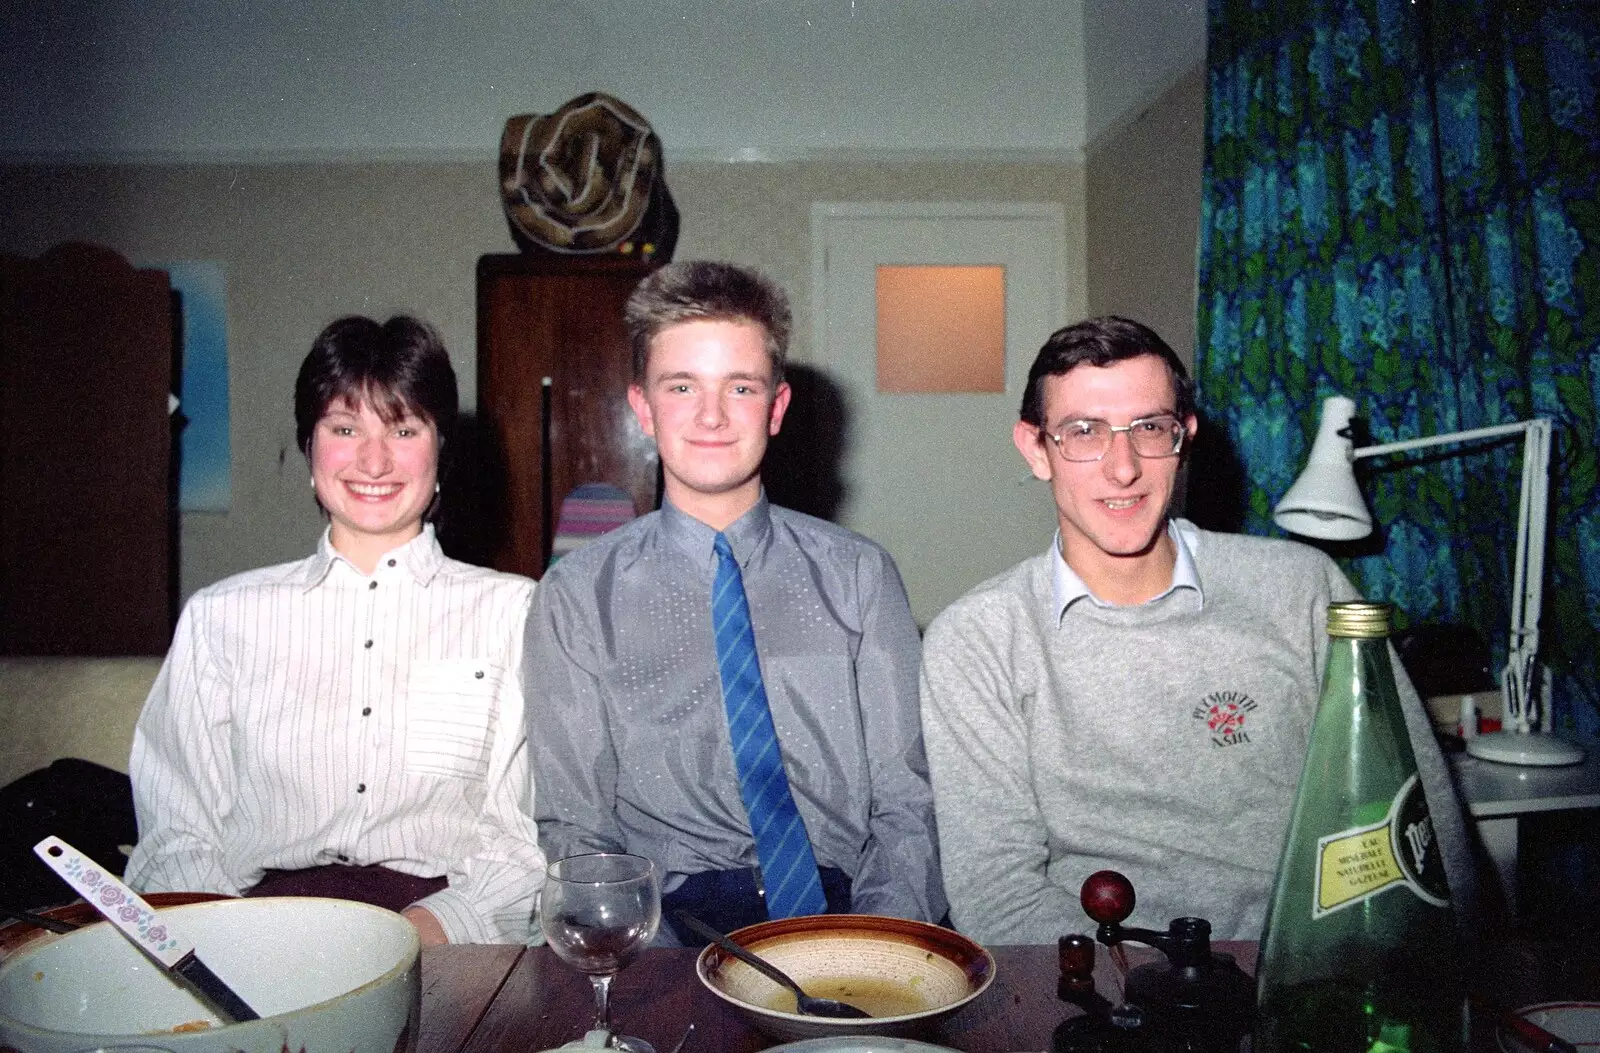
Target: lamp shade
[{"x": 1325, "y": 501}]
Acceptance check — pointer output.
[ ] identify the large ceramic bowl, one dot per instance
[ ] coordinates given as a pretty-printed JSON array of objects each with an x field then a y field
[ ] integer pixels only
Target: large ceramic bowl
[
  {"x": 907, "y": 974},
  {"x": 327, "y": 976}
]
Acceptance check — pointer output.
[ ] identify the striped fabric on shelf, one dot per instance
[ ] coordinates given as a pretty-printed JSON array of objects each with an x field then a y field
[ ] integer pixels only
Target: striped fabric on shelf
[{"x": 587, "y": 512}]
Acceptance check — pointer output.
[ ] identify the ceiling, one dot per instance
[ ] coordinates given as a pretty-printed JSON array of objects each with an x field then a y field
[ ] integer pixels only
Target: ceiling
[{"x": 744, "y": 80}]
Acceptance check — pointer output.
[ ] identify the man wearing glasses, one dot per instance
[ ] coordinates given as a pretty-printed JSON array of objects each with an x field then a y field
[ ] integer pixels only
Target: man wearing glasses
[{"x": 1137, "y": 698}]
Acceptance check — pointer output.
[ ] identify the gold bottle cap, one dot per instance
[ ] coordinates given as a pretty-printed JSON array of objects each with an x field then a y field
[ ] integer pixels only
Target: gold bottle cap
[{"x": 1359, "y": 620}]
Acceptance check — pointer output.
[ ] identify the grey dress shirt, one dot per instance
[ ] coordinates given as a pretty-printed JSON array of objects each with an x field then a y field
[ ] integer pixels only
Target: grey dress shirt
[{"x": 627, "y": 728}]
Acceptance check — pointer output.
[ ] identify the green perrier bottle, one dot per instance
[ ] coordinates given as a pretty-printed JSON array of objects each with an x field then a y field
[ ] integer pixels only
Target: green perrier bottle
[{"x": 1359, "y": 951}]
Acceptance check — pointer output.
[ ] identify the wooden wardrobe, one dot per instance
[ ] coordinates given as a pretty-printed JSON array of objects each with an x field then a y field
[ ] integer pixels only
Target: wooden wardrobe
[
  {"x": 88, "y": 476},
  {"x": 553, "y": 372}
]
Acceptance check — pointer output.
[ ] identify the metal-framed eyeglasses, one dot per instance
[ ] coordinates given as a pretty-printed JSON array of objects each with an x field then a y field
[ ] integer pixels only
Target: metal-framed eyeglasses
[{"x": 1090, "y": 440}]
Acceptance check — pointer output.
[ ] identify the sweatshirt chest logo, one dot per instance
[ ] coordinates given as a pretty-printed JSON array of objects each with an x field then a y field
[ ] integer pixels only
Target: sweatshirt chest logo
[{"x": 1223, "y": 715}]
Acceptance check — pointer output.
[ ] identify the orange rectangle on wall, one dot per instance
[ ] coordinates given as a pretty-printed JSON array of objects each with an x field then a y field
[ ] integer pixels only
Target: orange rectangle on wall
[{"x": 941, "y": 329}]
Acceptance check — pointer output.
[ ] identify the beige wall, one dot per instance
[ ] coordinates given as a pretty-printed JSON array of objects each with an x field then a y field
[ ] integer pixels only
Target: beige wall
[
  {"x": 303, "y": 244},
  {"x": 1144, "y": 215}
]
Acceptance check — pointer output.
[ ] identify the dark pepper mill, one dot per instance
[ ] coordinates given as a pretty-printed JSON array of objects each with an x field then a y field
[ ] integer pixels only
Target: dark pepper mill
[{"x": 1197, "y": 1000}]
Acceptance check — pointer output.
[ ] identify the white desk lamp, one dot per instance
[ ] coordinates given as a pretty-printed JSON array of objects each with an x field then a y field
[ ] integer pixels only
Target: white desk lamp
[{"x": 1326, "y": 503}]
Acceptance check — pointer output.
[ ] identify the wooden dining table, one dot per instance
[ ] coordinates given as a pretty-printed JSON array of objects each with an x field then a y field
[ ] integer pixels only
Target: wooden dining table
[{"x": 500, "y": 999}]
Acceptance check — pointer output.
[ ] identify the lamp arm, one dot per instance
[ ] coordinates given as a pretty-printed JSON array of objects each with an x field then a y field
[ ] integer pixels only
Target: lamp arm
[
  {"x": 1520, "y": 683},
  {"x": 1493, "y": 431},
  {"x": 1527, "y": 593}
]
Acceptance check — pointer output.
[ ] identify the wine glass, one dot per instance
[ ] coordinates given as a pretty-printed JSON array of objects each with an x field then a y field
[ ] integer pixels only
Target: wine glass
[{"x": 597, "y": 911}]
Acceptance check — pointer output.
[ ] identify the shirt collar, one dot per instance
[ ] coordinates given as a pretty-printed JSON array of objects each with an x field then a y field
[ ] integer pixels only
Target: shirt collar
[
  {"x": 420, "y": 558},
  {"x": 1068, "y": 588},
  {"x": 746, "y": 535}
]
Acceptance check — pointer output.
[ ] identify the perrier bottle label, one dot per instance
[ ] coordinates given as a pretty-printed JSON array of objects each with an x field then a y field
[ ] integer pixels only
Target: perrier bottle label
[{"x": 1397, "y": 852}]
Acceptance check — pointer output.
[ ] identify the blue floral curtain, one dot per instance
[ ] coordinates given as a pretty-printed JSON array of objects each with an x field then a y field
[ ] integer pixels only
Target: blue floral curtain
[{"x": 1402, "y": 205}]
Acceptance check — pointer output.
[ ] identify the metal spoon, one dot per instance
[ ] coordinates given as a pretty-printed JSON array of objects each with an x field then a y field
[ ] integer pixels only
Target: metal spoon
[{"x": 809, "y": 1006}]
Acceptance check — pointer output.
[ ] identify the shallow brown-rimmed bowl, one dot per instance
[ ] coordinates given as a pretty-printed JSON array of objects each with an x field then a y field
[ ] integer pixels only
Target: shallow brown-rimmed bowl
[{"x": 908, "y": 974}]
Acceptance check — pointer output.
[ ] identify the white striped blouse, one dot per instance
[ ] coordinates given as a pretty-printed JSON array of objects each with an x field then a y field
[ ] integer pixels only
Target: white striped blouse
[{"x": 309, "y": 714}]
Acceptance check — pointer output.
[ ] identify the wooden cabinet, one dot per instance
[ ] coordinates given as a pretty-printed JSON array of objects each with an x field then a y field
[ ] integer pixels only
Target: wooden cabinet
[
  {"x": 553, "y": 372},
  {"x": 88, "y": 480}
]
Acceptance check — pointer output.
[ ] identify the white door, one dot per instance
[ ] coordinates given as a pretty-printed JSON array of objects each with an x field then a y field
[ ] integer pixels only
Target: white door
[{"x": 934, "y": 478}]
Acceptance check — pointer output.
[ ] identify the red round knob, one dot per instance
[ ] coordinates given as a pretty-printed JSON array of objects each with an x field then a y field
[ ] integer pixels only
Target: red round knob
[{"x": 1107, "y": 897}]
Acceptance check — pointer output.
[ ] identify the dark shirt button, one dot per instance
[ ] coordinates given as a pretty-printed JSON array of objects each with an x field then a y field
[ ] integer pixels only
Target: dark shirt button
[
  {"x": 361, "y": 787},
  {"x": 367, "y": 645},
  {"x": 366, "y": 711},
  {"x": 391, "y": 563},
  {"x": 341, "y": 857},
  {"x": 479, "y": 674},
  {"x": 372, "y": 585}
]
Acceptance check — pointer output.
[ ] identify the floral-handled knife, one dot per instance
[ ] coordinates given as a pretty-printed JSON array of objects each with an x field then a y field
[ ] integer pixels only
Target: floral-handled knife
[{"x": 138, "y": 921}]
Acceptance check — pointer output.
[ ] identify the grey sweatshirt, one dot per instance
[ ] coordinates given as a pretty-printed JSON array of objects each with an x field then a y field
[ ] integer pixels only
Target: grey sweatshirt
[{"x": 1164, "y": 740}]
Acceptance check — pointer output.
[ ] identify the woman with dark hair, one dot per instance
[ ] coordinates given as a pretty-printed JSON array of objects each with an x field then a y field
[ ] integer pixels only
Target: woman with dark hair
[{"x": 351, "y": 724}]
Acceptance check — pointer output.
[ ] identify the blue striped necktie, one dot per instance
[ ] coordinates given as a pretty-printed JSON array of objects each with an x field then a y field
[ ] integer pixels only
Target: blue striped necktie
[{"x": 788, "y": 867}]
